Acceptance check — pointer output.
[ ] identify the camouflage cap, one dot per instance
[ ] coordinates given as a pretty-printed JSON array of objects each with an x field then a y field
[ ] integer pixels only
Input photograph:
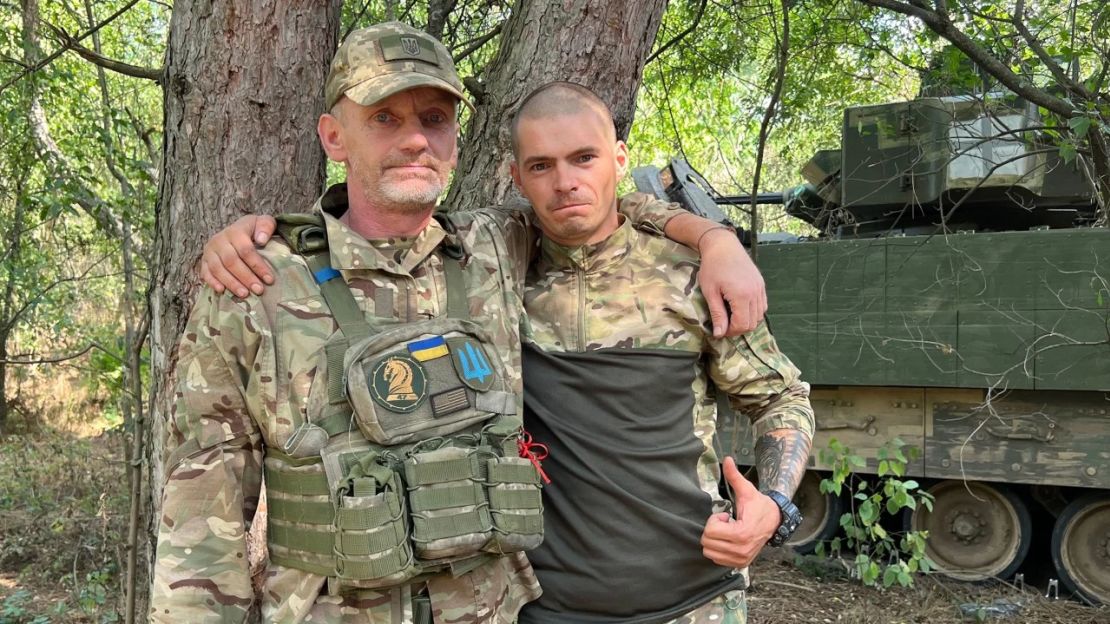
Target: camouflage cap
[{"x": 376, "y": 62}]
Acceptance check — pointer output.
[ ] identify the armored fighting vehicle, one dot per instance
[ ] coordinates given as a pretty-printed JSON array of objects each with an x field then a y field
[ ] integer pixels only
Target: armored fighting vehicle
[{"x": 958, "y": 298}]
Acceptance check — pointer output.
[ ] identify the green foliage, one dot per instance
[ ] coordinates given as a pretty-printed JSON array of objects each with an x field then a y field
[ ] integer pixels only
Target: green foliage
[
  {"x": 79, "y": 148},
  {"x": 704, "y": 97},
  {"x": 14, "y": 609},
  {"x": 64, "y": 525},
  {"x": 882, "y": 557}
]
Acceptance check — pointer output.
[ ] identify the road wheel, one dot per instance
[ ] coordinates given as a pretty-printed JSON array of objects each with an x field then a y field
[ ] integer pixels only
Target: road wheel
[
  {"x": 976, "y": 530},
  {"x": 1081, "y": 547},
  {"x": 820, "y": 514}
]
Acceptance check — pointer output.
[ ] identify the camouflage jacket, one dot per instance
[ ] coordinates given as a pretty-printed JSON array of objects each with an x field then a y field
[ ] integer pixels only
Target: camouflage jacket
[
  {"x": 245, "y": 372},
  {"x": 612, "y": 314}
]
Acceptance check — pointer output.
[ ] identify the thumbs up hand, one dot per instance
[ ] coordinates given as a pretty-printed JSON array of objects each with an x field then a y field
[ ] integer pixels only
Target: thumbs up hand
[{"x": 735, "y": 542}]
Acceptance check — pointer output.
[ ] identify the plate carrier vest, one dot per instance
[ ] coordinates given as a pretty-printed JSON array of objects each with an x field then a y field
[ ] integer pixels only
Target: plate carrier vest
[{"x": 417, "y": 433}]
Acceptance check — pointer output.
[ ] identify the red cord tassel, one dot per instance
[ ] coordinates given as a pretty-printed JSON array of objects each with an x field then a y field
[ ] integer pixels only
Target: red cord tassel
[{"x": 534, "y": 452}]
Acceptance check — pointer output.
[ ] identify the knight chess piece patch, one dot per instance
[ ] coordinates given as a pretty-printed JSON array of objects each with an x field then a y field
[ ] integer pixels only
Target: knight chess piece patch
[{"x": 399, "y": 383}]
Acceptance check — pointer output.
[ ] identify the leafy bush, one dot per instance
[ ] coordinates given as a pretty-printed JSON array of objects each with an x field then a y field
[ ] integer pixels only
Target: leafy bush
[
  {"x": 881, "y": 556},
  {"x": 62, "y": 525}
]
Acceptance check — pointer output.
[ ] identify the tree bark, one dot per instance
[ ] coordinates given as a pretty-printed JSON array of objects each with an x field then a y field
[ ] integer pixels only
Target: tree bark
[
  {"x": 602, "y": 44},
  {"x": 243, "y": 90}
]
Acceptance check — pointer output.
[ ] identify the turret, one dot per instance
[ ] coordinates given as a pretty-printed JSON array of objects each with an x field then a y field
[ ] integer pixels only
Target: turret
[{"x": 956, "y": 163}]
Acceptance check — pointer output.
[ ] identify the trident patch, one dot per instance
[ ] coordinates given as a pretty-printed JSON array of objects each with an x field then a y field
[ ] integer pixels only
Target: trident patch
[
  {"x": 471, "y": 363},
  {"x": 410, "y": 45},
  {"x": 399, "y": 383}
]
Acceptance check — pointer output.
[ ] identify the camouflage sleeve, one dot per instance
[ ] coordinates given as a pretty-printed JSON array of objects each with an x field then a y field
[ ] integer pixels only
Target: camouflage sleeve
[
  {"x": 516, "y": 226},
  {"x": 761, "y": 382},
  {"x": 647, "y": 212},
  {"x": 214, "y": 467}
]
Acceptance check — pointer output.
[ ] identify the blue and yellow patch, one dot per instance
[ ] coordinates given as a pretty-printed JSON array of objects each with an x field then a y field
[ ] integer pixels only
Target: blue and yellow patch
[
  {"x": 471, "y": 363},
  {"x": 429, "y": 349}
]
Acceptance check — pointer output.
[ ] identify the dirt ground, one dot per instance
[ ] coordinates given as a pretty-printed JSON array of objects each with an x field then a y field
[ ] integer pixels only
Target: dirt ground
[
  {"x": 61, "y": 543},
  {"x": 819, "y": 592}
]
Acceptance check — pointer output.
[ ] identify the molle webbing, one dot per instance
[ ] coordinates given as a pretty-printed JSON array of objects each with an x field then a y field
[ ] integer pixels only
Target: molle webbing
[
  {"x": 423, "y": 493},
  {"x": 371, "y": 540},
  {"x": 306, "y": 234}
]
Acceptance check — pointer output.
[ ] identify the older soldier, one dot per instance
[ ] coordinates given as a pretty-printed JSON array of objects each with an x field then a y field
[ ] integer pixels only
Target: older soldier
[{"x": 377, "y": 385}]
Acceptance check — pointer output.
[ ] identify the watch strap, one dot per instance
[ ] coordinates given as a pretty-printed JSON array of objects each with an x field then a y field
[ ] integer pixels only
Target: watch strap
[{"x": 791, "y": 517}]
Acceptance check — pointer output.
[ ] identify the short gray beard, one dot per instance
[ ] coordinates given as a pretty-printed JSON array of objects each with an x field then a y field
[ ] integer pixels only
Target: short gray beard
[
  {"x": 406, "y": 199},
  {"x": 428, "y": 195}
]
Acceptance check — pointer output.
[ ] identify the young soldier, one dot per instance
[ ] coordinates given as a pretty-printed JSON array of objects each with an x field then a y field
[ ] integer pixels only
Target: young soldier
[{"x": 618, "y": 358}]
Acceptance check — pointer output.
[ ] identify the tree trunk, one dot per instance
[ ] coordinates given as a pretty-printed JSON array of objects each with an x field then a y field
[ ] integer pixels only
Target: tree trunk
[
  {"x": 7, "y": 305},
  {"x": 3, "y": 380},
  {"x": 602, "y": 44},
  {"x": 8, "y": 312},
  {"x": 244, "y": 87}
]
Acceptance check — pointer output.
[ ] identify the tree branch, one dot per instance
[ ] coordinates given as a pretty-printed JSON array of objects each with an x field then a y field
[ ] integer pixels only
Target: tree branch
[
  {"x": 1034, "y": 44},
  {"x": 941, "y": 25},
  {"x": 61, "y": 358},
  {"x": 474, "y": 45},
  {"x": 126, "y": 69},
  {"x": 34, "y": 67},
  {"x": 438, "y": 10},
  {"x": 689, "y": 29},
  {"x": 44, "y": 143},
  {"x": 781, "y": 60}
]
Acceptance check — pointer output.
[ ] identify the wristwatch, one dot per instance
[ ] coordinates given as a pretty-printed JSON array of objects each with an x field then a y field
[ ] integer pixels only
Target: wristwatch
[{"x": 791, "y": 518}]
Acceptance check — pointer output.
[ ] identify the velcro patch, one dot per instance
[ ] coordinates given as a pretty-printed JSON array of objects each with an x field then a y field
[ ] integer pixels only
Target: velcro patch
[
  {"x": 430, "y": 349},
  {"x": 471, "y": 363},
  {"x": 399, "y": 383},
  {"x": 408, "y": 48},
  {"x": 450, "y": 401}
]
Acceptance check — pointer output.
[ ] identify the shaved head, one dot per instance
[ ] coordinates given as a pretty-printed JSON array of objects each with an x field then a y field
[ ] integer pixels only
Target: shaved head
[{"x": 560, "y": 99}]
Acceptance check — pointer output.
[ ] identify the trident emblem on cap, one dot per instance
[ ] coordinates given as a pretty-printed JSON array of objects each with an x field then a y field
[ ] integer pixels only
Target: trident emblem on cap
[{"x": 410, "y": 45}]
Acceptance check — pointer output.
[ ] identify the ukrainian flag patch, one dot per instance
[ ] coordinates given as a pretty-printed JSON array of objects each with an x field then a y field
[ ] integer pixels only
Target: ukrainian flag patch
[{"x": 428, "y": 349}]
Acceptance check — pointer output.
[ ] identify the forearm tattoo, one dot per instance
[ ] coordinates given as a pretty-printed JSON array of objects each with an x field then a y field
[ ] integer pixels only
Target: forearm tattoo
[{"x": 781, "y": 457}]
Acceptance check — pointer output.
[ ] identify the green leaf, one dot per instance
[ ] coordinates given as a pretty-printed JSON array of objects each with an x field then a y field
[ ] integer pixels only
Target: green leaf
[
  {"x": 1080, "y": 125},
  {"x": 890, "y": 576},
  {"x": 1067, "y": 152},
  {"x": 892, "y": 506},
  {"x": 884, "y": 468},
  {"x": 904, "y": 578},
  {"x": 868, "y": 513},
  {"x": 872, "y": 573}
]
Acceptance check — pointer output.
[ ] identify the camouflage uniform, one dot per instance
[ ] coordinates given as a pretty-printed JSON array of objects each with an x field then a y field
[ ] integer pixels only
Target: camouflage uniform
[
  {"x": 635, "y": 293},
  {"x": 247, "y": 369}
]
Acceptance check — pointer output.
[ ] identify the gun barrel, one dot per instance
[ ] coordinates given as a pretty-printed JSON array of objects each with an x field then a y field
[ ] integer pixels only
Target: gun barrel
[{"x": 774, "y": 197}]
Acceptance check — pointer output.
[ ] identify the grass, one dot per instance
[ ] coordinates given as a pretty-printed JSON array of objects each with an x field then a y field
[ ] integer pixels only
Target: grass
[{"x": 63, "y": 510}]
